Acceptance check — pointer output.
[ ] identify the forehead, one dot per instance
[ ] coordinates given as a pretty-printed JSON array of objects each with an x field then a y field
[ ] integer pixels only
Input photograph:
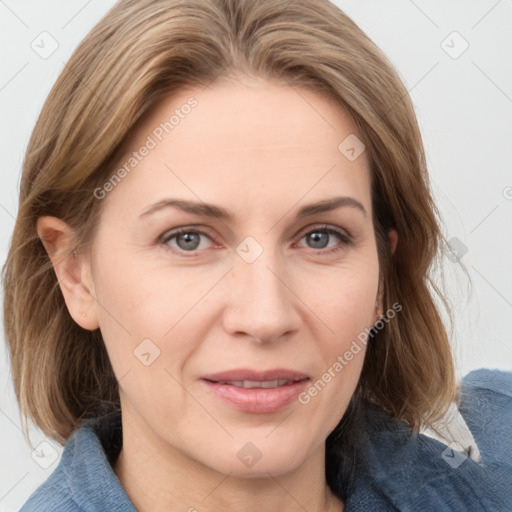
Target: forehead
[{"x": 244, "y": 143}]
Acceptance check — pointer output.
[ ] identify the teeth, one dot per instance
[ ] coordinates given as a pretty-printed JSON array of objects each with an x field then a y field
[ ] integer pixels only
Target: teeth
[{"x": 257, "y": 384}]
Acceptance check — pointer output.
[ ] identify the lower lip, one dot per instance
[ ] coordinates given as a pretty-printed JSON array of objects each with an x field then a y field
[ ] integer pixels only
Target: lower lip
[{"x": 258, "y": 400}]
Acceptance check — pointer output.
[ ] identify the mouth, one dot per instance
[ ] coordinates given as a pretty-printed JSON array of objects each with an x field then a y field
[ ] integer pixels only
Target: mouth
[
  {"x": 250, "y": 384},
  {"x": 257, "y": 392}
]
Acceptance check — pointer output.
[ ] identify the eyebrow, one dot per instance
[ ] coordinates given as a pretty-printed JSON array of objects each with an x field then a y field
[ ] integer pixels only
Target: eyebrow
[{"x": 213, "y": 211}]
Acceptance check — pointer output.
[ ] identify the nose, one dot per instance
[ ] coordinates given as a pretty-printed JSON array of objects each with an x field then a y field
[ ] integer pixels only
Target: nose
[{"x": 261, "y": 303}]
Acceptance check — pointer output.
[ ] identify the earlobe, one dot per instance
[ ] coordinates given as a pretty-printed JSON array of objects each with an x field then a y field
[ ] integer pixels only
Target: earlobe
[{"x": 71, "y": 269}]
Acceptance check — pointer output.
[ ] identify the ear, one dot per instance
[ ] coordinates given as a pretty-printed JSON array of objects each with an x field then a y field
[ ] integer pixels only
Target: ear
[
  {"x": 379, "y": 308},
  {"x": 72, "y": 270},
  {"x": 393, "y": 240}
]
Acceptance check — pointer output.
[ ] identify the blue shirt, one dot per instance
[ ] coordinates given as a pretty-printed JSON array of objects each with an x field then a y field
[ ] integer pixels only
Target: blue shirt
[{"x": 397, "y": 470}]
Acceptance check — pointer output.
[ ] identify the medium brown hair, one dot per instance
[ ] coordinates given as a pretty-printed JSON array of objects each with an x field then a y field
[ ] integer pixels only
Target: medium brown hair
[{"x": 145, "y": 50}]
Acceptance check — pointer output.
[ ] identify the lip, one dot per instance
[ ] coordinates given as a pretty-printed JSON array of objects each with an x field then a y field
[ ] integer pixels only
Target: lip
[{"x": 257, "y": 400}]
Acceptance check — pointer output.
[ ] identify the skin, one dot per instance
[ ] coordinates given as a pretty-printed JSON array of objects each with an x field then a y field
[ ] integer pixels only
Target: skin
[{"x": 261, "y": 150}]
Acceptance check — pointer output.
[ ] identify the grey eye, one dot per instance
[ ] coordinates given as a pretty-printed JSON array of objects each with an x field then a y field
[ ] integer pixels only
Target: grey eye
[
  {"x": 318, "y": 239},
  {"x": 188, "y": 241}
]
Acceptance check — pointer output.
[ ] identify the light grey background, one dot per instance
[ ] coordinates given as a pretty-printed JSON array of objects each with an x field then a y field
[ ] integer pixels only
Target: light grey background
[{"x": 463, "y": 101}]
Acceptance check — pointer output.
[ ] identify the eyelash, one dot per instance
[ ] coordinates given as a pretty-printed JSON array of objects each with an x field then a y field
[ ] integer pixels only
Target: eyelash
[{"x": 346, "y": 240}]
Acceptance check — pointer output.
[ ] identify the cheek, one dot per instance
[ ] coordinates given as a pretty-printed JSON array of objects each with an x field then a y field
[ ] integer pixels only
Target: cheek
[
  {"x": 140, "y": 301},
  {"x": 344, "y": 301},
  {"x": 138, "y": 314},
  {"x": 349, "y": 315},
  {"x": 345, "y": 297}
]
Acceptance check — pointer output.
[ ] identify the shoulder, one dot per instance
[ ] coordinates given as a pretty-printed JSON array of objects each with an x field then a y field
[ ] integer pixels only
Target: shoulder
[
  {"x": 400, "y": 470},
  {"x": 486, "y": 405},
  {"x": 489, "y": 391},
  {"x": 84, "y": 480},
  {"x": 55, "y": 494}
]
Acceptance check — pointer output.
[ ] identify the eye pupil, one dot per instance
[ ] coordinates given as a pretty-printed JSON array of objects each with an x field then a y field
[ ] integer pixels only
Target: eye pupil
[
  {"x": 191, "y": 241},
  {"x": 319, "y": 239}
]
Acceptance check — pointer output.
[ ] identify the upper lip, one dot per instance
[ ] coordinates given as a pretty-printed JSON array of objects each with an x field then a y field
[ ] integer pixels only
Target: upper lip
[{"x": 255, "y": 375}]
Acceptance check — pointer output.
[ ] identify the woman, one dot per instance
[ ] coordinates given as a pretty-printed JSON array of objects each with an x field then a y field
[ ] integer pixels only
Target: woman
[{"x": 222, "y": 257}]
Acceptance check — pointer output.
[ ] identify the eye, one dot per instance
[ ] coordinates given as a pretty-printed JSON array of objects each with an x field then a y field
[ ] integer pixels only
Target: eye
[
  {"x": 324, "y": 239},
  {"x": 186, "y": 239}
]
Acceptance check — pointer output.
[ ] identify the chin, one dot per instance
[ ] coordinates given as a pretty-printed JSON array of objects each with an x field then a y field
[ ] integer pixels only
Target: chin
[
  {"x": 248, "y": 461},
  {"x": 261, "y": 469}
]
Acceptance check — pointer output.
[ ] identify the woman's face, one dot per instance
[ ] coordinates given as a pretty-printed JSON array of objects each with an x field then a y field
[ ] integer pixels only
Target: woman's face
[{"x": 247, "y": 274}]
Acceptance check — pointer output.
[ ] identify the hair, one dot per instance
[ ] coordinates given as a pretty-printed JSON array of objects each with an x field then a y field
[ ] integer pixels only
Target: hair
[{"x": 143, "y": 51}]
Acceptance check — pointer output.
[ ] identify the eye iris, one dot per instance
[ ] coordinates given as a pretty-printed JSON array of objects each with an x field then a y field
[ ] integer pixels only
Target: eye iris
[
  {"x": 319, "y": 240},
  {"x": 190, "y": 241}
]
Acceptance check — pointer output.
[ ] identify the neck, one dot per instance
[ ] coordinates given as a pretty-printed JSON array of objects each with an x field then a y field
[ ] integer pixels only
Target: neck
[{"x": 158, "y": 477}]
